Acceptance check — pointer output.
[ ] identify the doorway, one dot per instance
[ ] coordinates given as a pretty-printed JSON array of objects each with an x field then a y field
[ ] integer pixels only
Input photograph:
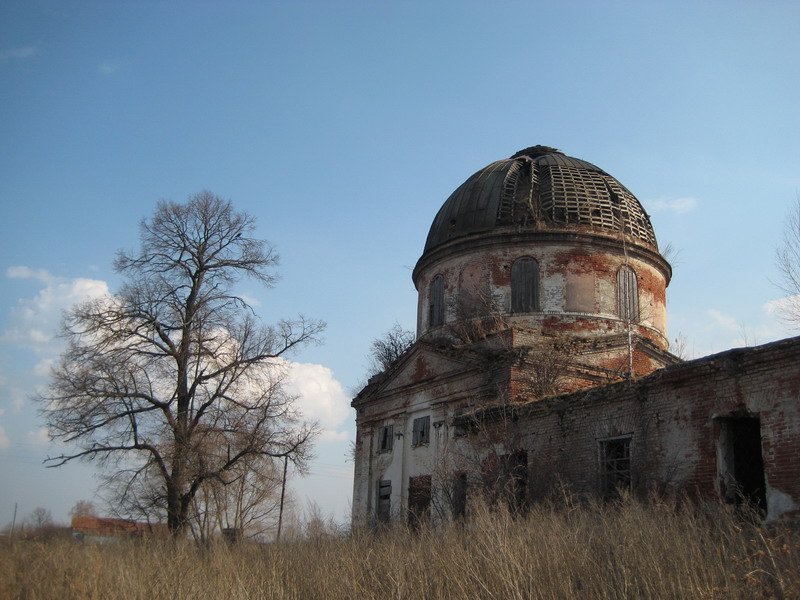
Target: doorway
[{"x": 741, "y": 463}]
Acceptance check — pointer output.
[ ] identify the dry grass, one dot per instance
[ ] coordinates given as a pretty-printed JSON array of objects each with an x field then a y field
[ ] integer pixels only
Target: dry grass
[{"x": 628, "y": 550}]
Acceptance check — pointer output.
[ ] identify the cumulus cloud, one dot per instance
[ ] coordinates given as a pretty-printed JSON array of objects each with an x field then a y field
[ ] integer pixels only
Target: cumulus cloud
[
  {"x": 4, "y": 441},
  {"x": 19, "y": 52},
  {"x": 34, "y": 321},
  {"x": 39, "y": 437},
  {"x": 320, "y": 397},
  {"x": 676, "y": 205},
  {"x": 788, "y": 305}
]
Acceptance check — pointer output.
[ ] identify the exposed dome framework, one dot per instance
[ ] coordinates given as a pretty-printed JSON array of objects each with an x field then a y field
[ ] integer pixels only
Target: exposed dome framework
[{"x": 540, "y": 188}]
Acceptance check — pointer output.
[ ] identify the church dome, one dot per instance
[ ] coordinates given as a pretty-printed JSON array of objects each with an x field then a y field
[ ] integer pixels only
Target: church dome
[{"x": 540, "y": 189}]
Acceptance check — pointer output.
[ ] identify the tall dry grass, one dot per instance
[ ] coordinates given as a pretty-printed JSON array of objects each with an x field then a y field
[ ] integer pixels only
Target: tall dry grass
[{"x": 627, "y": 550}]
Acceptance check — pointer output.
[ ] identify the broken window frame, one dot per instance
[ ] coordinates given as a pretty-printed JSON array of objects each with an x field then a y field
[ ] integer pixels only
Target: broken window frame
[
  {"x": 614, "y": 462},
  {"x": 383, "y": 500},
  {"x": 436, "y": 302},
  {"x": 627, "y": 295},
  {"x": 385, "y": 438},
  {"x": 421, "y": 431},
  {"x": 525, "y": 285}
]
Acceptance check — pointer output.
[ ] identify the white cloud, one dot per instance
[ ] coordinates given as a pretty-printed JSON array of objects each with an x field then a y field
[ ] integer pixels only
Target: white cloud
[
  {"x": 40, "y": 437},
  {"x": 34, "y": 321},
  {"x": 725, "y": 321},
  {"x": 22, "y": 272},
  {"x": 4, "y": 441},
  {"x": 18, "y": 397},
  {"x": 328, "y": 435},
  {"x": 782, "y": 306},
  {"x": 43, "y": 367},
  {"x": 107, "y": 67},
  {"x": 251, "y": 300},
  {"x": 676, "y": 205},
  {"x": 321, "y": 397},
  {"x": 20, "y": 52}
]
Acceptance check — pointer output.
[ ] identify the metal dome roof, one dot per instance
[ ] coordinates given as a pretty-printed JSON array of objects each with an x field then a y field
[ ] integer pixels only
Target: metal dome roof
[{"x": 540, "y": 188}]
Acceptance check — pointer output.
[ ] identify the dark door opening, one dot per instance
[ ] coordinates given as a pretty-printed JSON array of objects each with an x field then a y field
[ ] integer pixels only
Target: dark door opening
[
  {"x": 741, "y": 461},
  {"x": 419, "y": 500}
]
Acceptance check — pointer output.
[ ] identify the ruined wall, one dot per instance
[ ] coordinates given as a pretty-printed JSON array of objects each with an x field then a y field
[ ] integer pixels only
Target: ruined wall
[{"x": 676, "y": 420}]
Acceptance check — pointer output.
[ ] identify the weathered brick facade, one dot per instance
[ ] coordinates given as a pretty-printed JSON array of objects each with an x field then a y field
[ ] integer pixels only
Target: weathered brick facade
[
  {"x": 675, "y": 420},
  {"x": 541, "y": 353}
]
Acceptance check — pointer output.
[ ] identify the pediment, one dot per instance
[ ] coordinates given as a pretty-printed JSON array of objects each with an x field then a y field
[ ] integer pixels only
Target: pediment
[{"x": 422, "y": 364}]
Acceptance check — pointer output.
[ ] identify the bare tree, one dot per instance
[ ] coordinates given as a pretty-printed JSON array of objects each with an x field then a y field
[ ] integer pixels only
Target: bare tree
[
  {"x": 385, "y": 350},
  {"x": 39, "y": 518},
  {"x": 83, "y": 508},
  {"x": 173, "y": 381},
  {"x": 485, "y": 460},
  {"x": 787, "y": 259},
  {"x": 247, "y": 501},
  {"x": 477, "y": 312}
]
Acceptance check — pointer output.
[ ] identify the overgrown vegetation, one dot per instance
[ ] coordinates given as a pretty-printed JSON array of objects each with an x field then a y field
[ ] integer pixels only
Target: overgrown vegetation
[{"x": 628, "y": 549}]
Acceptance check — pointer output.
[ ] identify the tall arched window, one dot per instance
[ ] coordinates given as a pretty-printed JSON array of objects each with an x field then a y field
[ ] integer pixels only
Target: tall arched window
[
  {"x": 436, "y": 302},
  {"x": 524, "y": 285},
  {"x": 627, "y": 295}
]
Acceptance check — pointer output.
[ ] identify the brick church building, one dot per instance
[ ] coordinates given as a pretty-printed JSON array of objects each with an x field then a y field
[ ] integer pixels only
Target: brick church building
[{"x": 541, "y": 359}]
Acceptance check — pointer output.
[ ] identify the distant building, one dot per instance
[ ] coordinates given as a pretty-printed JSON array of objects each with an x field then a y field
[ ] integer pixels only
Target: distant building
[
  {"x": 100, "y": 528},
  {"x": 542, "y": 357}
]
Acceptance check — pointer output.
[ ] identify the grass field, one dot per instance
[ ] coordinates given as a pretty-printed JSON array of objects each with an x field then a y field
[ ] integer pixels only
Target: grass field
[{"x": 629, "y": 549}]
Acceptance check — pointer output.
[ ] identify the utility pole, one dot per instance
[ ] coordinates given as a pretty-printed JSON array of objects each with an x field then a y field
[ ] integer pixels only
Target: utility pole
[
  {"x": 13, "y": 521},
  {"x": 283, "y": 493}
]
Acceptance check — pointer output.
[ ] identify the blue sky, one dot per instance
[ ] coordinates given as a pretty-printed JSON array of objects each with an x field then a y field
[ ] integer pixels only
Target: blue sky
[{"x": 343, "y": 126}]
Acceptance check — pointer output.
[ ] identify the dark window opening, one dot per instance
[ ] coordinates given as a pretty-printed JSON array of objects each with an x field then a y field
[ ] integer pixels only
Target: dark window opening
[
  {"x": 461, "y": 424},
  {"x": 419, "y": 500},
  {"x": 385, "y": 438},
  {"x": 615, "y": 466},
  {"x": 384, "y": 505},
  {"x": 741, "y": 462},
  {"x": 627, "y": 295},
  {"x": 421, "y": 433},
  {"x": 436, "y": 302},
  {"x": 524, "y": 285},
  {"x": 506, "y": 478}
]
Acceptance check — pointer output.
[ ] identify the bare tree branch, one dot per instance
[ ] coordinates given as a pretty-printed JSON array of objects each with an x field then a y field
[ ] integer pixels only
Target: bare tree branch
[
  {"x": 174, "y": 373},
  {"x": 787, "y": 260}
]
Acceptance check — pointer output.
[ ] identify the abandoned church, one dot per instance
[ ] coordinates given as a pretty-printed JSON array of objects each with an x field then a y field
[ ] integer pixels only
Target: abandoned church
[{"x": 541, "y": 359}]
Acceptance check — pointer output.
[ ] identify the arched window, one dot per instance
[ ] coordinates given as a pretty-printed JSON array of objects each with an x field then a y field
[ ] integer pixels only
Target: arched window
[
  {"x": 436, "y": 302},
  {"x": 524, "y": 285},
  {"x": 627, "y": 295}
]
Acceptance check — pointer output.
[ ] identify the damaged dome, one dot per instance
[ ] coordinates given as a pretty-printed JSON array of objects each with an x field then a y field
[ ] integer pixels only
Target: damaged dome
[{"x": 540, "y": 188}]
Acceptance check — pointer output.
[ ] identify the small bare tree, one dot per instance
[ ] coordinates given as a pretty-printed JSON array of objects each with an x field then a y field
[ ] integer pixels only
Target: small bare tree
[
  {"x": 787, "y": 260},
  {"x": 486, "y": 460},
  {"x": 477, "y": 312},
  {"x": 173, "y": 381},
  {"x": 83, "y": 508},
  {"x": 385, "y": 350},
  {"x": 39, "y": 518},
  {"x": 247, "y": 500}
]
